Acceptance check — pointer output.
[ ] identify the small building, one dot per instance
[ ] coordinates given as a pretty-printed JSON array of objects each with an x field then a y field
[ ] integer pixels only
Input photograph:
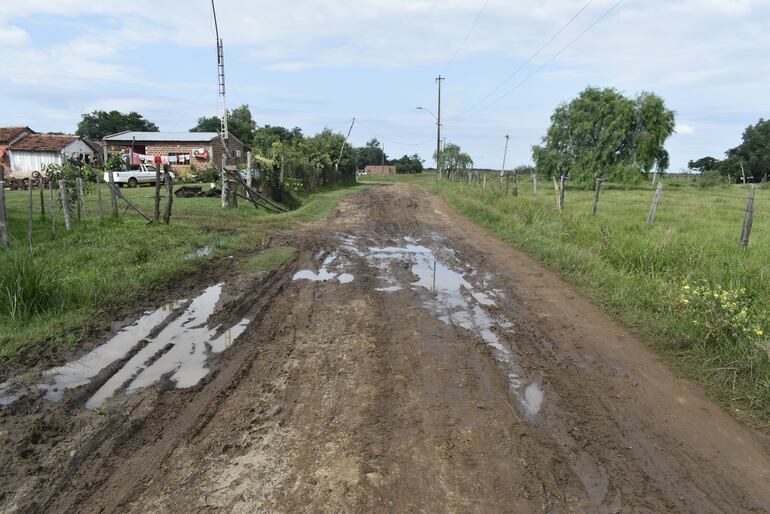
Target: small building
[
  {"x": 33, "y": 152},
  {"x": 181, "y": 150},
  {"x": 8, "y": 136},
  {"x": 380, "y": 170}
]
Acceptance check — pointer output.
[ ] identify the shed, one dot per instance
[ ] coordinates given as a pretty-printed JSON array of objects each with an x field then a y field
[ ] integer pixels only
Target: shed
[
  {"x": 8, "y": 136},
  {"x": 35, "y": 151}
]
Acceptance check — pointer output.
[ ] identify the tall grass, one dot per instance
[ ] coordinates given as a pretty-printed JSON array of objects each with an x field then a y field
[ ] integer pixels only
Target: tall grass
[{"x": 26, "y": 290}]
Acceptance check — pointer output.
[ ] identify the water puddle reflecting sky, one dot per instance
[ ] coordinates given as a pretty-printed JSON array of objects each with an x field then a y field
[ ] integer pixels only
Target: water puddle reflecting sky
[{"x": 179, "y": 349}]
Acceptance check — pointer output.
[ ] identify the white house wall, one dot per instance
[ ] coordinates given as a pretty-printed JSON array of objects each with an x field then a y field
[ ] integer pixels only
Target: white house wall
[
  {"x": 76, "y": 148},
  {"x": 24, "y": 163}
]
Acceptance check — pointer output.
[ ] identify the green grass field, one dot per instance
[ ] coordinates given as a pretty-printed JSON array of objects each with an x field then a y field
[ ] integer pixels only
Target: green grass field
[
  {"x": 685, "y": 285},
  {"x": 75, "y": 281}
]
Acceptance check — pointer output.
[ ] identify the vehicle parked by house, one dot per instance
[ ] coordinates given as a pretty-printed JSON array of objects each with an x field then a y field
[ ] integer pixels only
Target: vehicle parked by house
[{"x": 136, "y": 175}]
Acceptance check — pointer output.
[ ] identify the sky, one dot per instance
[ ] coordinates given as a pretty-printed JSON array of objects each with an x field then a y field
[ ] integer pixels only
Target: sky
[{"x": 319, "y": 63}]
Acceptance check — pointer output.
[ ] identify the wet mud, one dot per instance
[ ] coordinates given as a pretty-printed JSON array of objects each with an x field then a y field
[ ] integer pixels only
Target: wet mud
[{"x": 404, "y": 361}]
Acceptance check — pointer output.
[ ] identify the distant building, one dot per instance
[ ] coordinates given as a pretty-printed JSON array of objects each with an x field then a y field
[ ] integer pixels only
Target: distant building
[
  {"x": 380, "y": 170},
  {"x": 180, "y": 150},
  {"x": 33, "y": 152},
  {"x": 8, "y": 136}
]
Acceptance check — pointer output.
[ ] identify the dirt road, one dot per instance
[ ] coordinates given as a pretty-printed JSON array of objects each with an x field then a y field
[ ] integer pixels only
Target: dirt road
[{"x": 404, "y": 361}]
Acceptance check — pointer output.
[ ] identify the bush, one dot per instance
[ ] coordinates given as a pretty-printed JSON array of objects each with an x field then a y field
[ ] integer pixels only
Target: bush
[{"x": 711, "y": 179}]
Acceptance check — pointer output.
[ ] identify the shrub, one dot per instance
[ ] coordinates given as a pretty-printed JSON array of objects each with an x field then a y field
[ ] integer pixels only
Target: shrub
[{"x": 710, "y": 179}]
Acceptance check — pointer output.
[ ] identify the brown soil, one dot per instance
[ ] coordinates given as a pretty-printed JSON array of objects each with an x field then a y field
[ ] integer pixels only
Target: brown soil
[{"x": 342, "y": 398}]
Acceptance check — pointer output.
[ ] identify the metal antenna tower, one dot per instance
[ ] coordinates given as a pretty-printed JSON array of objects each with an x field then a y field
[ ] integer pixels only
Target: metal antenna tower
[{"x": 221, "y": 73}]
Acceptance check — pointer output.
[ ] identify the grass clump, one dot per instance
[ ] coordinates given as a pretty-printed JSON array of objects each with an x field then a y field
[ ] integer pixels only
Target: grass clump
[{"x": 270, "y": 259}]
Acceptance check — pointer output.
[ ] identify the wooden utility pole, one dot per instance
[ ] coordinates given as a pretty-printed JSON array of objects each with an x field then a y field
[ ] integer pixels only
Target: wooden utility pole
[
  {"x": 225, "y": 192},
  {"x": 65, "y": 205},
  {"x": 654, "y": 207},
  {"x": 597, "y": 188},
  {"x": 743, "y": 172},
  {"x": 502, "y": 170},
  {"x": 748, "y": 219},
  {"x": 3, "y": 211}
]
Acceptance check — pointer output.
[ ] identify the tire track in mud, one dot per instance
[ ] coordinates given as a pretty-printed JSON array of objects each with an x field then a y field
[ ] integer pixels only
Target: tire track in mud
[{"x": 387, "y": 393}]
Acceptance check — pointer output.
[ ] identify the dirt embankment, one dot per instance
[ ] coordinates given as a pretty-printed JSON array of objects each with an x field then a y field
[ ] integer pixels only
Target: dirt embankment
[{"x": 405, "y": 361}]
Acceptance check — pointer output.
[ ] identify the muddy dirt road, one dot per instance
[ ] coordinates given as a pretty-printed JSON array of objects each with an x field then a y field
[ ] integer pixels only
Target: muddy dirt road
[{"x": 404, "y": 361}]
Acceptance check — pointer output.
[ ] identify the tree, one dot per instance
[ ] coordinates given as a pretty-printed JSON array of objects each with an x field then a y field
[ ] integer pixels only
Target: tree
[
  {"x": 408, "y": 164},
  {"x": 753, "y": 152},
  {"x": 372, "y": 154},
  {"x": 240, "y": 123},
  {"x": 704, "y": 164},
  {"x": 265, "y": 137},
  {"x": 601, "y": 131},
  {"x": 454, "y": 162},
  {"x": 98, "y": 124}
]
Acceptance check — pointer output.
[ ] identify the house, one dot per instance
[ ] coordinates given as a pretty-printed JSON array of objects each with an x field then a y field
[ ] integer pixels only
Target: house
[
  {"x": 8, "y": 136},
  {"x": 181, "y": 150},
  {"x": 380, "y": 170},
  {"x": 33, "y": 152}
]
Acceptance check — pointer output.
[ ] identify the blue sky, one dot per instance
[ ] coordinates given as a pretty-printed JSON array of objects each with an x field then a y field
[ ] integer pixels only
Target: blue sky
[{"x": 318, "y": 63}]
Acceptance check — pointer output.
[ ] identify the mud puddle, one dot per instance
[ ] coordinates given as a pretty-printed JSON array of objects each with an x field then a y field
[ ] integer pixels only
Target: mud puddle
[
  {"x": 452, "y": 290},
  {"x": 173, "y": 341}
]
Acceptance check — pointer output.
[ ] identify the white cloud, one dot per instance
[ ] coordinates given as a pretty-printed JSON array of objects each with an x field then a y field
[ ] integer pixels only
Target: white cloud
[{"x": 684, "y": 129}]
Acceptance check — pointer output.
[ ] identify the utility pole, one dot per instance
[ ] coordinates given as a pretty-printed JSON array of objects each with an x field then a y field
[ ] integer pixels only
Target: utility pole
[
  {"x": 502, "y": 170},
  {"x": 439, "y": 79}
]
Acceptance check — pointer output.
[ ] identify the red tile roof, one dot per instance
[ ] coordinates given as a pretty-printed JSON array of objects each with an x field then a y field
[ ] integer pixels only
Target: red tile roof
[
  {"x": 43, "y": 143},
  {"x": 8, "y": 134}
]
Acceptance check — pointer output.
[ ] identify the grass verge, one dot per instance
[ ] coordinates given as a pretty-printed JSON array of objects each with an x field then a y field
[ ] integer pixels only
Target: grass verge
[{"x": 270, "y": 259}]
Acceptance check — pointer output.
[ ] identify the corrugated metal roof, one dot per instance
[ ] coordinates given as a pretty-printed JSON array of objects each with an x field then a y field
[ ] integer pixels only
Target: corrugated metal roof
[{"x": 162, "y": 137}]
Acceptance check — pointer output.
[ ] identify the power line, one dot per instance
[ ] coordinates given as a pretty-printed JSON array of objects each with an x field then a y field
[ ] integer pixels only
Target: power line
[
  {"x": 529, "y": 60},
  {"x": 468, "y": 34},
  {"x": 549, "y": 61}
]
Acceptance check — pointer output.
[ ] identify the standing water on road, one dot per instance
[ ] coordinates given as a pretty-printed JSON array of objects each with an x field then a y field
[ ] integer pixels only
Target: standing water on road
[{"x": 171, "y": 343}]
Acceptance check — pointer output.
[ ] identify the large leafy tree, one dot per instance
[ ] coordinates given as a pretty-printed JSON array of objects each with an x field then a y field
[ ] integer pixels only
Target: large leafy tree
[
  {"x": 601, "y": 131},
  {"x": 240, "y": 123},
  {"x": 371, "y": 154},
  {"x": 409, "y": 164},
  {"x": 97, "y": 124},
  {"x": 454, "y": 162},
  {"x": 753, "y": 152},
  {"x": 704, "y": 164},
  {"x": 265, "y": 137}
]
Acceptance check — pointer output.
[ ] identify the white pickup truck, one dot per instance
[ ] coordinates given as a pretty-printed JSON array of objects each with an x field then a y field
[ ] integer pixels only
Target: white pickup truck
[{"x": 138, "y": 174}]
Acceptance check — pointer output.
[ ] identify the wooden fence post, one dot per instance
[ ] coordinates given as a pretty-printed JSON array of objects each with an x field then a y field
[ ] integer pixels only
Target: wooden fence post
[
  {"x": 515, "y": 184},
  {"x": 170, "y": 196},
  {"x": 52, "y": 198},
  {"x": 99, "y": 196},
  {"x": 597, "y": 188},
  {"x": 3, "y": 211},
  {"x": 654, "y": 207},
  {"x": 29, "y": 215},
  {"x": 111, "y": 181},
  {"x": 248, "y": 168},
  {"x": 561, "y": 193},
  {"x": 81, "y": 199},
  {"x": 558, "y": 193},
  {"x": 485, "y": 182},
  {"x": 65, "y": 205},
  {"x": 534, "y": 185},
  {"x": 42, "y": 195},
  {"x": 156, "y": 212},
  {"x": 748, "y": 219}
]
